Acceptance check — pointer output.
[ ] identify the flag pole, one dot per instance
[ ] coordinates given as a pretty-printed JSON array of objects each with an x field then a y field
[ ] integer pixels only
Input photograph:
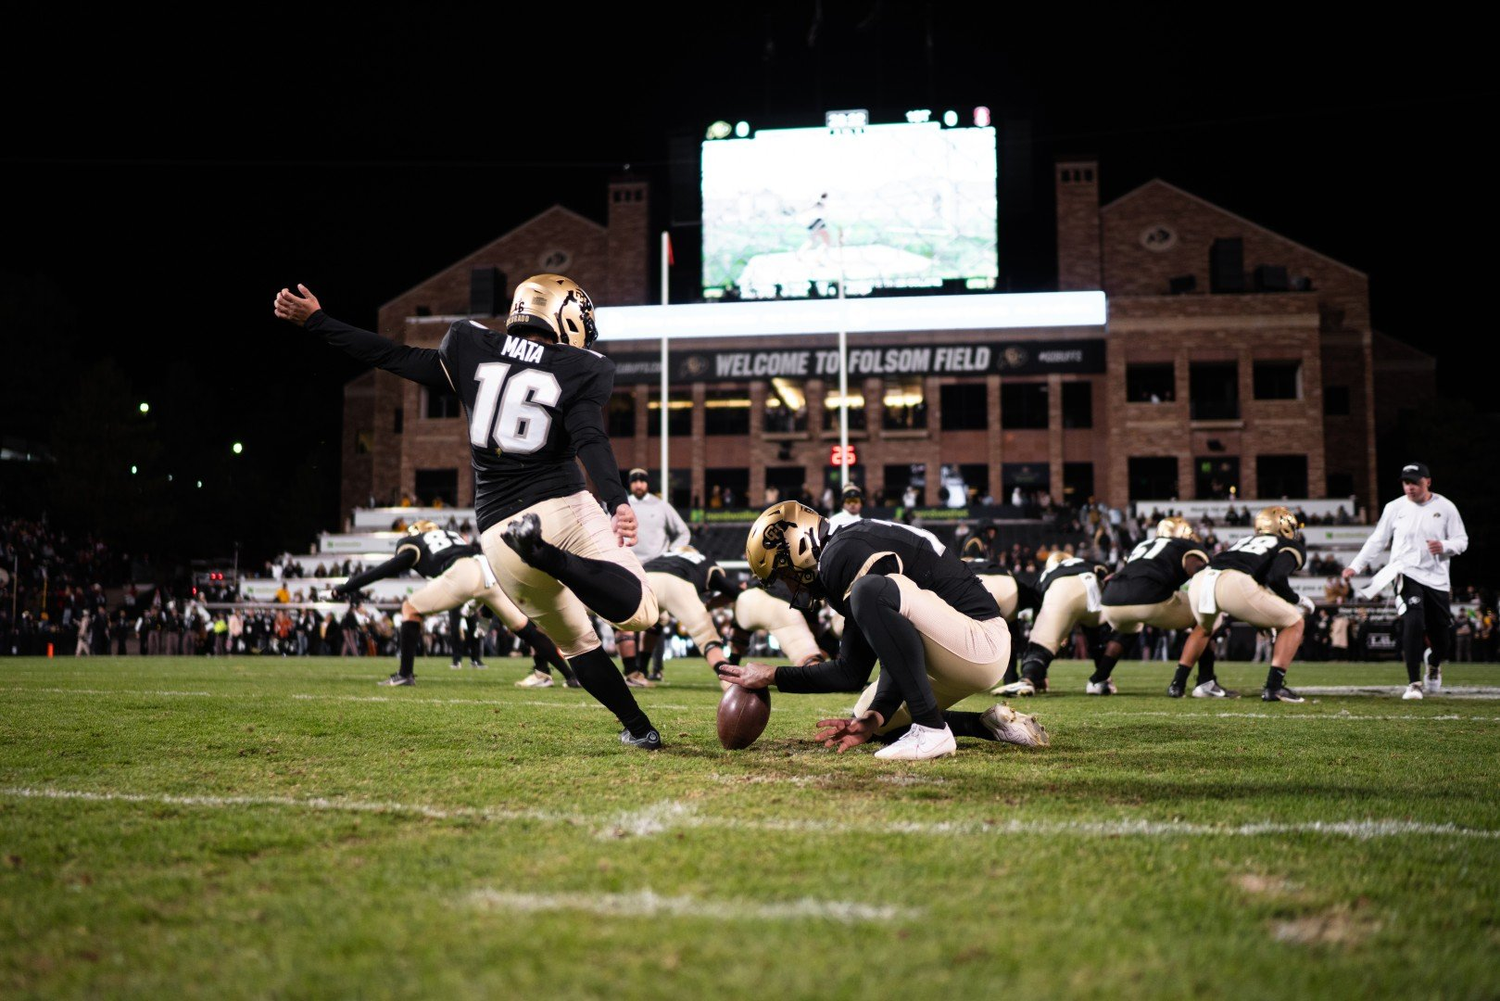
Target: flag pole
[
  {"x": 666, "y": 264},
  {"x": 843, "y": 374}
]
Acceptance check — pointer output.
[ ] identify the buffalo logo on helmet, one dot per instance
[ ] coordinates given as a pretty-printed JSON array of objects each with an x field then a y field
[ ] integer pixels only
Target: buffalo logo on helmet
[
  {"x": 1276, "y": 520},
  {"x": 557, "y": 306}
]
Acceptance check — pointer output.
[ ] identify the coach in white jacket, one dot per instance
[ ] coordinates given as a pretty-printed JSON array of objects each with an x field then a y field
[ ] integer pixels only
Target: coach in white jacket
[{"x": 1424, "y": 531}]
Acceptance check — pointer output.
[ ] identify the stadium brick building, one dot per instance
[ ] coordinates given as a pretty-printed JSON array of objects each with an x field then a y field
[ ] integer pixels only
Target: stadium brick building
[{"x": 1233, "y": 363}]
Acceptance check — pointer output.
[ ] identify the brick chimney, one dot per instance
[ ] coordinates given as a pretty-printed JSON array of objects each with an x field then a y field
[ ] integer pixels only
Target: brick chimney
[
  {"x": 1078, "y": 252},
  {"x": 629, "y": 243}
]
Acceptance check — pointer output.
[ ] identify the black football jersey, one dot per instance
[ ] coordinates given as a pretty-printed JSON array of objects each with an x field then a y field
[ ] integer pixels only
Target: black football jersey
[
  {"x": 1070, "y": 567},
  {"x": 1254, "y": 555},
  {"x": 531, "y": 407},
  {"x": 930, "y": 564},
  {"x": 1152, "y": 572},
  {"x": 437, "y": 550},
  {"x": 695, "y": 568}
]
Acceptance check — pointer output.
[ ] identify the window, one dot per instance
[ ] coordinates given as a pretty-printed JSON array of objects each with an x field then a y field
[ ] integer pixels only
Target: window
[
  {"x": 1153, "y": 382},
  {"x": 727, "y": 487},
  {"x": 831, "y": 410},
  {"x": 1340, "y": 484},
  {"x": 1216, "y": 477},
  {"x": 1030, "y": 477},
  {"x": 726, "y": 411},
  {"x": 1078, "y": 405},
  {"x": 966, "y": 406},
  {"x": 1215, "y": 389},
  {"x": 438, "y": 405},
  {"x": 1335, "y": 401},
  {"x": 398, "y": 420},
  {"x": 1281, "y": 475},
  {"x": 620, "y": 415},
  {"x": 899, "y": 477},
  {"x": 905, "y": 405},
  {"x": 1278, "y": 380},
  {"x": 786, "y": 407},
  {"x": 435, "y": 484},
  {"x": 1023, "y": 405},
  {"x": 1078, "y": 482},
  {"x": 786, "y": 481},
  {"x": 1153, "y": 477},
  {"x": 679, "y": 415}
]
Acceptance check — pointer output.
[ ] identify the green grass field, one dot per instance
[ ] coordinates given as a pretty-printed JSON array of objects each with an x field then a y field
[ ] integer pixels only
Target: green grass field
[{"x": 258, "y": 827}]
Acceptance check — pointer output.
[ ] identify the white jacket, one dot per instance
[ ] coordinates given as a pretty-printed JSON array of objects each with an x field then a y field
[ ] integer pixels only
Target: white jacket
[{"x": 1406, "y": 527}]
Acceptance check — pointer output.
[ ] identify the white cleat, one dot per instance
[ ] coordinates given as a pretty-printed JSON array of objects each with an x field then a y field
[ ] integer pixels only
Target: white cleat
[
  {"x": 1413, "y": 691},
  {"x": 536, "y": 679},
  {"x": 1015, "y": 688},
  {"x": 920, "y": 743},
  {"x": 1011, "y": 727},
  {"x": 1211, "y": 690},
  {"x": 1105, "y": 687}
]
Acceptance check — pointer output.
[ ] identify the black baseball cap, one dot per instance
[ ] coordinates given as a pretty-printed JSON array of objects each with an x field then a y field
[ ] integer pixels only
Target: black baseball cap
[
  {"x": 639, "y": 474},
  {"x": 853, "y": 491},
  {"x": 1414, "y": 472}
]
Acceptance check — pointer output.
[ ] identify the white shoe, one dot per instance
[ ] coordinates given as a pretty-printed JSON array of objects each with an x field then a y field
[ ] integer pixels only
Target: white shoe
[
  {"x": 536, "y": 679},
  {"x": 1413, "y": 691},
  {"x": 1022, "y": 687},
  {"x": 1012, "y": 727},
  {"x": 1105, "y": 687},
  {"x": 638, "y": 679},
  {"x": 920, "y": 743},
  {"x": 1434, "y": 673},
  {"x": 1211, "y": 690}
]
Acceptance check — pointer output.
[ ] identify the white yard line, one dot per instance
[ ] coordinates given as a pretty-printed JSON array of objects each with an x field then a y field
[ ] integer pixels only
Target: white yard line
[
  {"x": 520, "y": 701},
  {"x": 1295, "y": 716},
  {"x": 645, "y": 903},
  {"x": 671, "y": 815}
]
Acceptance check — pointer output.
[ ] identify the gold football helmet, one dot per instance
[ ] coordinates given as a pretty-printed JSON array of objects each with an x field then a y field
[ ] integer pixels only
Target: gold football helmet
[
  {"x": 421, "y": 527},
  {"x": 1175, "y": 527},
  {"x": 784, "y": 543},
  {"x": 557, "y": 306},
  {"x": 1276, "y": 520}
]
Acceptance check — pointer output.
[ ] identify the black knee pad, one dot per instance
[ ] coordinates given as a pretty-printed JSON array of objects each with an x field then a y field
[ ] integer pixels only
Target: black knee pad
[{"x": 874, "y": 595}]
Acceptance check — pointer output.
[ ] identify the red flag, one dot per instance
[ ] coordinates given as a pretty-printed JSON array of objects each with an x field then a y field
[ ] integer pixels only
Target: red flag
[{"x": 671, "y": 258}]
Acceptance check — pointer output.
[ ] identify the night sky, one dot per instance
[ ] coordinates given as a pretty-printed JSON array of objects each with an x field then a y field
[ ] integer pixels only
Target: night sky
[{"x": 164, "y": 179}]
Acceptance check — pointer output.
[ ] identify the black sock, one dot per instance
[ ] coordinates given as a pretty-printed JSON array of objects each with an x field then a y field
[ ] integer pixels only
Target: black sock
[
  {"x": 610, "y": 590},
  {"x": 1034, "y": 663},
  {"x": 1180, "y": 677},
  {"x": 411, "y": 637},
  {"x": 875, "y": 602},
  {"x": 1104, "y": 668},
  {"x": 596, "y": 672},
  {"x": 1012, "y": 675},
  {"x": 1206, "y": 665},
  {"x": 543, "y": 650},
  {"x": 1276, "y": 678},
  {"x": 966, "y": 724}
]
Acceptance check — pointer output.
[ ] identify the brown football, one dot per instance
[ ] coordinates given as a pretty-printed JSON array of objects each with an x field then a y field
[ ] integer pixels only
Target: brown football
[{"x": 743, "y": 714}]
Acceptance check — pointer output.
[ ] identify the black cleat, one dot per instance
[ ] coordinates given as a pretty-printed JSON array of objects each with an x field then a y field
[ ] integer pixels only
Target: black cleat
[
  {"x": 398, "y": 680},
  {"x": 1176, "y": 691},
  {"x": 1282, "y": 694},
  {"x": 477, "y": 665},
  {"x": 654, "y": 676},
  {"x": 573, "y": 681},
  {"x": 650, "y": 742},
  {"x": 523, "y": 535}
]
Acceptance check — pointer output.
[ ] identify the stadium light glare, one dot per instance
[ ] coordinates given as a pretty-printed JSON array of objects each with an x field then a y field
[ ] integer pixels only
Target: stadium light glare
[
  {"x": 145, "y": 408},
  {"x": 132, "y": 470},
  {"x": 237, "y": 448}
]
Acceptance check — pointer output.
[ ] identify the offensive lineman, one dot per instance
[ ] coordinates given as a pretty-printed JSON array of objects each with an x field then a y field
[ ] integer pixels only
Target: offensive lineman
[
  {"x": 456, "y": 571},
  {"x": 534, "y": 396},
  {"x": 907, "y": 601},
  {"x": 1070, "y": 595},
  {"x": 1249, "y": 581},
  {"x": 679, "y": 579},
  {"x": 1147, "y": 591}
]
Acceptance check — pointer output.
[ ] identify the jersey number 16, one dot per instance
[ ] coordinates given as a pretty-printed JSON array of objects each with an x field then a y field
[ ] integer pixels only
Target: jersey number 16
[{"x": 522, "y": 424}]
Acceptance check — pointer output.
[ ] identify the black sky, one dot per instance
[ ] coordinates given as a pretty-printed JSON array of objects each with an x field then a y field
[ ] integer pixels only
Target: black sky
[{"x": 164, "y": 178}]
